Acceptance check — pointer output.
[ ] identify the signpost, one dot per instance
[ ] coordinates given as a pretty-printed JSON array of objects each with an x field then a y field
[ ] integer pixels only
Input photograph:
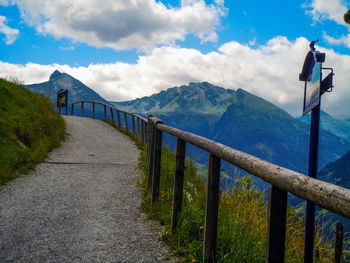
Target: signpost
[
  {"x": 314, "y": 88},
  {"x": 62, "y": 99}
]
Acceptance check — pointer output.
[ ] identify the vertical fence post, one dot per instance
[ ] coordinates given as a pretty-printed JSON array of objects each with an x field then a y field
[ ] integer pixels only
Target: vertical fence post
[
  {"x": 178, "y": 182},
  {"x": 126, "y": 122},
  {"x": 119, "y": 120},
  {"x": 93, "y": 110},
  {"x": 138, "y": 129},
  {"x": 150, "y": 153},
  {"x": 133, "y": 124},
  {"x": 104, "y": 112},
  {"x": 339, "y": 236},
  {"x": 82, "y": 109},
  {"x": 142, "y": 133},
  {"x": 149, "y": 137},
  {"x": 112, "y": 116},
  {"x": 72, "y": 109},
  {"x": 157, "y": 161},
  {"x": 211, "y": 213},
  {"x": 277, "y": 216}
]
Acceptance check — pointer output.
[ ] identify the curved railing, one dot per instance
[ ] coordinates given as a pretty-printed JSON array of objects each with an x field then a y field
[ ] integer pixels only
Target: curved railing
[
  {"x": 139, "y": 127},
  {"x": 282, "y": 180}
]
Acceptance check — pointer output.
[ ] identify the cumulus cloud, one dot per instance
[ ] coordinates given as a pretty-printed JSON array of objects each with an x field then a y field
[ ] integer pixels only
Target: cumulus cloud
[
  {"x": 321, "y": 10},
  {"x": 11, "y": 34},
  {"x": 120, "y": 24},
  {"x": 269, "y": 71}
]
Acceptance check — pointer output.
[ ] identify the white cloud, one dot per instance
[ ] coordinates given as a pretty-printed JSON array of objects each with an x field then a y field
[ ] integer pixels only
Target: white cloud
[
  {"x": 269, "y": 71},
  {"x": 11, "y": 34},
  {"x": 121, "y": 24},
  {"x": 321, "y": 10}
]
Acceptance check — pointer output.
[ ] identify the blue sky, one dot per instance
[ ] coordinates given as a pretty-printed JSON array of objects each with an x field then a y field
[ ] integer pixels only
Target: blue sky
[{"x": 129, "y": 49}]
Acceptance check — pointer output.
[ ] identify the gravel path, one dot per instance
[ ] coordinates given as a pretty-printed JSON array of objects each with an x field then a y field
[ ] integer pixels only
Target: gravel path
[{"x": 86, "y": 212}]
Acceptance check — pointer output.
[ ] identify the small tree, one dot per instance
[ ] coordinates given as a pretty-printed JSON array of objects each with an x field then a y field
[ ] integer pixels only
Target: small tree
[{"x": 347, "y": 17}]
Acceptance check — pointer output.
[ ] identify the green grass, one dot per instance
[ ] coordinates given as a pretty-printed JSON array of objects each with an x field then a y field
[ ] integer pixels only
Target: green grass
[
  {"x": 29, "y": 129},
  {"x": 242, "y": 226}
]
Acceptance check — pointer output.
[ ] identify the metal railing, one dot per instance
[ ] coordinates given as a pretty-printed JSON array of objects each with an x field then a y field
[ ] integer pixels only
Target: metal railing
[{"x": 282, "y": 180}]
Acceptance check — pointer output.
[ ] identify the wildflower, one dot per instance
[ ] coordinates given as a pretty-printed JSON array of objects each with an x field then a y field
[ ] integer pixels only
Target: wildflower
[
  {"x": 260, "y": 243},
  {"x": 194, "y": 260},
  {"x": 201, "y": 228}
]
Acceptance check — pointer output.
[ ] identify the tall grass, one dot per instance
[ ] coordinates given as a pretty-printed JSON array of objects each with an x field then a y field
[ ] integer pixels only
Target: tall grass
[
  {"x": 29, "y": 129},
  {"x": 242, "y": 226}
]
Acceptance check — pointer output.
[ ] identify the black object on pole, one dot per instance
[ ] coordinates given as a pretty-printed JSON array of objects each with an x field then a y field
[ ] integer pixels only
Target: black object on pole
[{"x": 314, "y": 88}]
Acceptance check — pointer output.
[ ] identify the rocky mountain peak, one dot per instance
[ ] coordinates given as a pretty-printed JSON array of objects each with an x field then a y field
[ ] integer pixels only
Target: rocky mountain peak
[{"x": 55, "y": 74}]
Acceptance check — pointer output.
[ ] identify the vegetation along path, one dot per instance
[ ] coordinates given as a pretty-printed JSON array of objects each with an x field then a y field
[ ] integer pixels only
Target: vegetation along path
[{"x": 81, "y": 205}]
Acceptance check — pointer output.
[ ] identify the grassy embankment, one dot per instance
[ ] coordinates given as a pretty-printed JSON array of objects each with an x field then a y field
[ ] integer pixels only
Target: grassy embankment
[
  {"x": 242, "y": 228},
  {"x": 29, "y": 129}
]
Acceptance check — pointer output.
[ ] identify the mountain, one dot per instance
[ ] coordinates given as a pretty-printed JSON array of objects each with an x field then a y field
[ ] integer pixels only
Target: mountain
[
  {"x": 76, "y": 90},
  {"x": 240, "y": 120},
  {"x": 338, "y": 127},
  {"x": 194, "y": 108},
  {"x": 337, "y": 172},
  {"x": 260, "y": 128}
]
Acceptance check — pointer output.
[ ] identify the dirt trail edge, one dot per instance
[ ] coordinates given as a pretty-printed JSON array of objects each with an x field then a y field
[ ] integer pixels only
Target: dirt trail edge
[{"x": 82, "y": 205}]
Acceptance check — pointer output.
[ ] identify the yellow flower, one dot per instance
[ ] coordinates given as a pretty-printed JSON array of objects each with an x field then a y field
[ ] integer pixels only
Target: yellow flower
[
  {"x": 202, "y": 227},
  {"x": 260, "y": 243}
]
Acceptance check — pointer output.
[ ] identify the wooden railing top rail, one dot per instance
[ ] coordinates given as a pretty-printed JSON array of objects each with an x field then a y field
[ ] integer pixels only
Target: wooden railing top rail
[
  {"x": 326, "y": 195},
  {"x": 110, "y": 106}
]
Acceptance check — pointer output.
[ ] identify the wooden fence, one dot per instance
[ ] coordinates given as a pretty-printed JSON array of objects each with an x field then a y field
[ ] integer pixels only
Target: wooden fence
[{"x": 282, "y": 180}]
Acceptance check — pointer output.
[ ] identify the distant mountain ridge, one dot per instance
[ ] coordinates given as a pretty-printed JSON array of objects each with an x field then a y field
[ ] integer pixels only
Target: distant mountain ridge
[
  {"x": 76, "y": 89},
  {"x": 327, "y": 122},
  {"x": 241, "y": 120}
]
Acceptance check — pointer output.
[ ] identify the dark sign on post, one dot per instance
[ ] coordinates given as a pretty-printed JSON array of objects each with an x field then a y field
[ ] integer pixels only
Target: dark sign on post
[
  {"x": 62, "y": 99},
  {"x": 312, "y": 89}
]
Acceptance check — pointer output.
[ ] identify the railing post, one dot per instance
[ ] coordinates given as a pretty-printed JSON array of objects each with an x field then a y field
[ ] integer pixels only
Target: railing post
[
  {"x": 82, "y": 109},
  {"x": 211, "y": 213},
  {"x": 72, "y": 109},
  {"x": 150, "y": 150},
  {"x": 277, "y": 216},
  {"x": 142, "y": 133},
  {"x": 112, "y": 117},
  {"x": 178, "y": 182},
  {"x": 133, "y": 124},
  {"x": 93, "y": 110},
  {"x": 149, "y": 137},
  {"x": 138, "y": 129},
  {"x": 105, "y": 112},
  {"x": 339, "y": 236},
  {"x": 126, "y": 122},
  {"x": 156, "y": 162},
  {"x": 119, "y": 120}
]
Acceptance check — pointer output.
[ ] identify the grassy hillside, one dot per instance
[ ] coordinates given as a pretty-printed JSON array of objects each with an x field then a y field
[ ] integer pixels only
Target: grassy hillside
[
  {"x": 242, "y": 222},
  {"x": 29, "y": 129}
]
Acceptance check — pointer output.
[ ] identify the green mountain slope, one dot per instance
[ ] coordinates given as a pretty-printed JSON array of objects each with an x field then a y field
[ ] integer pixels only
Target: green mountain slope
[
  {"x": 260, "y": 128},
  {"x": 337, "y": 172},
  {"x": 338, "y": 127},
  {"x": 240, "y": 120},
  {"x": 29, "y": 128},
  {"x": 76, "y": 90}
]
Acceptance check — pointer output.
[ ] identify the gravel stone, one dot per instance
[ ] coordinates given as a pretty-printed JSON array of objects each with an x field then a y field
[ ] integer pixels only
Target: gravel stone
[{"x": 87, "y": 212}]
